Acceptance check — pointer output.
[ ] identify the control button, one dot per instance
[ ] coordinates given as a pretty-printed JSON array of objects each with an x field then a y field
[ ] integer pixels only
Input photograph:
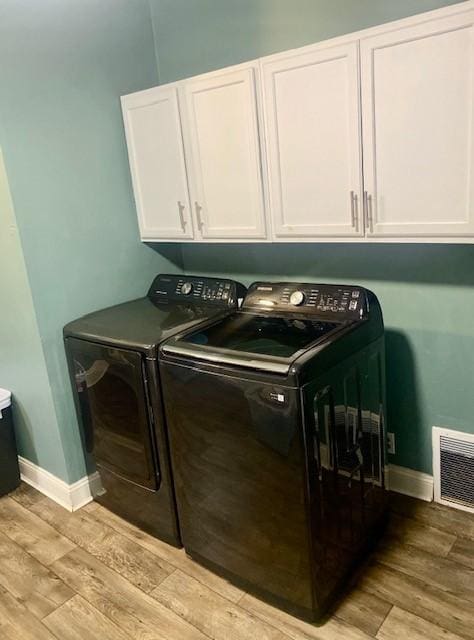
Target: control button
[
  {"x": 355, "y": 294},
  {"x": 353, "y": 305},
  {"x": 297, "y": 298},
  {"x": 186, "y": 288}
]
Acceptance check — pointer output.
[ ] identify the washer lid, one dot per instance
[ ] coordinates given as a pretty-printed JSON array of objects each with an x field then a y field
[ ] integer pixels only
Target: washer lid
[
  {"x": 254, "y": 341},
  {"x": 276, "y": 337},
  {"x": 5, "y": 399}
]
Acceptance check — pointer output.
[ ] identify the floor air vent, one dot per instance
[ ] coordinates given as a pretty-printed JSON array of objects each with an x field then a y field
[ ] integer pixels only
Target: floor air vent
[{"x": 453, "y": 468}]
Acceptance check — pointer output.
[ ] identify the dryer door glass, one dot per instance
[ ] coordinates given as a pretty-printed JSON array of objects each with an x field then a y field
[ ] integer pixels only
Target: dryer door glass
[{"x": 113, "y": 409}]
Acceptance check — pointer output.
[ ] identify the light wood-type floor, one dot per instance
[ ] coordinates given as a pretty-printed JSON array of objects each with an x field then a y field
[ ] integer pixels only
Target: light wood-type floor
[{"x": 92, "y": 576}]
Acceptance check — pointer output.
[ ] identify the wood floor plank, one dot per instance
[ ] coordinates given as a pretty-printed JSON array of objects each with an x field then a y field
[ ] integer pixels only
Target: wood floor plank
[
  {"x": 142, "y": 568},
  {"x": 453, "y": 521},
  {"x": 29, "y": 531},
  {"x": 132, "y": 610},
  {"x": 422, "y": 599},
  {"x": 77, "y": 619},
  {"x": 418, "y": 534},
  {"x": 176, "y": 557},
  {"x": 363, "y": 610},
  {"x": 120, "y": 583},
  {"x": 442, "y": 573},
  {"x": 296, "y": 629},
  {"x": 90, "y": 507},
  {"x": 463, "y": 552},
  {"x": 17, "y": 622},
  {"x": 215, "y": 616},
  {"x": 27, "y": 496},
  {"x": 252, "y": 618},
  {"x": 25, "y": 578},
  {"x": 401, "y": 624}
]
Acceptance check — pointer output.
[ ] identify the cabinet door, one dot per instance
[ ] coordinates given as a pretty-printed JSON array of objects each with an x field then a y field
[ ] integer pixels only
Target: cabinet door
[
  {"x": 224, "y": 135},
  {"x": 157, "y": 163},
  {"x": 312, "y": 120},
  {"x": 417, "y": 106}
]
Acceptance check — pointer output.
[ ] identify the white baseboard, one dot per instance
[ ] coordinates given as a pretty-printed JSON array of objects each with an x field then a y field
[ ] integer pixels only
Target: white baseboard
[
  {"x": 83, "y": 490},
  {"x": 74, "y": 496},
  {"x": 410, "y": 482},
  {"x": 70, "y": 496}
]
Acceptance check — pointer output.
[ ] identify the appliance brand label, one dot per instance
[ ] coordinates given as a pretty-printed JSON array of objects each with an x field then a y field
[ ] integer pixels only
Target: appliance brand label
[{"x": 277, "y": 397}]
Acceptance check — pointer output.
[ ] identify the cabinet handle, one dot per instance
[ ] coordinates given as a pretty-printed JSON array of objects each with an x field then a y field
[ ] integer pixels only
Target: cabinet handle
[
  {"x": 364, "y": 208},
  {"x": 181, "y": 215},
  {"x": 370, "y": 217},
  {"x": 198, "y": 209},
  {"x": 355, "y": 211}
]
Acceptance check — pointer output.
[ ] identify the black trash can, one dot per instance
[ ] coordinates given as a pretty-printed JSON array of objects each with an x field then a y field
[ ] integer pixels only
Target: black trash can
[{"x": 9, "y": 470}]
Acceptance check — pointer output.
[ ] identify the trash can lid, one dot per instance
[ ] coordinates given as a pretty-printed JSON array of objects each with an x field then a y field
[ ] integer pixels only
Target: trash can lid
[{"x": 5, "y": 399}]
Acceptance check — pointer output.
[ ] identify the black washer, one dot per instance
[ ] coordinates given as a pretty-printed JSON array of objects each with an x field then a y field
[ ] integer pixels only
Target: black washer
[{"x": 276, "y": 420}]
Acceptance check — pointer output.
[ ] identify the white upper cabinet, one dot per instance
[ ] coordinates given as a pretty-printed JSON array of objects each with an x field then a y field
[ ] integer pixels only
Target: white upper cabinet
[
  {"x": 222, "y": 126},
  {"x": 312, "y": 119},
  {"x": 367, "y": 137},
  {"x": 418, "y": 134},
  {"x": 157, "y": 163}
]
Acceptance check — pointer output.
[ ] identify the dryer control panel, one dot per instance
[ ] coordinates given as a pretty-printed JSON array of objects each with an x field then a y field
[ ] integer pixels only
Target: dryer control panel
[
  {"x": 342, "y": 301},
  {"x": 196, "y": 290}
]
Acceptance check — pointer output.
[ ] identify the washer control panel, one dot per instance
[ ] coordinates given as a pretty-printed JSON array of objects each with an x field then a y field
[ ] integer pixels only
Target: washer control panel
[
  {"x": 195, "y": 290},
  {"x": 310, "y": 299}
]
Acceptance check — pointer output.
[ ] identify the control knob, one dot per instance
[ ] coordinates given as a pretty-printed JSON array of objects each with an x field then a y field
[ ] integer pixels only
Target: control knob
[
  {"x": 186, "y": 288},
  {"x": 297, "y": 298}
]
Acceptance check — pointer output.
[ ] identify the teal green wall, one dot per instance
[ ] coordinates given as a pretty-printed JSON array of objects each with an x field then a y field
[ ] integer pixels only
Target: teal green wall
[
  {"x": 426, "y": 291},
  {"x": 22, "y": 363},
  {"x": 193, "y": 36},
  {"x": 63, "y": 67}
]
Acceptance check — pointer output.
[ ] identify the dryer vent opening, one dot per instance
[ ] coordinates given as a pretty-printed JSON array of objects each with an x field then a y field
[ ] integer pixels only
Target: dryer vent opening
[{"x": 453, "y": 468}]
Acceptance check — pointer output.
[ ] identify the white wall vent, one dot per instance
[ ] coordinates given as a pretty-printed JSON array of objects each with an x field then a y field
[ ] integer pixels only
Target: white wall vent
[{"x": 453, "y": 468}]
